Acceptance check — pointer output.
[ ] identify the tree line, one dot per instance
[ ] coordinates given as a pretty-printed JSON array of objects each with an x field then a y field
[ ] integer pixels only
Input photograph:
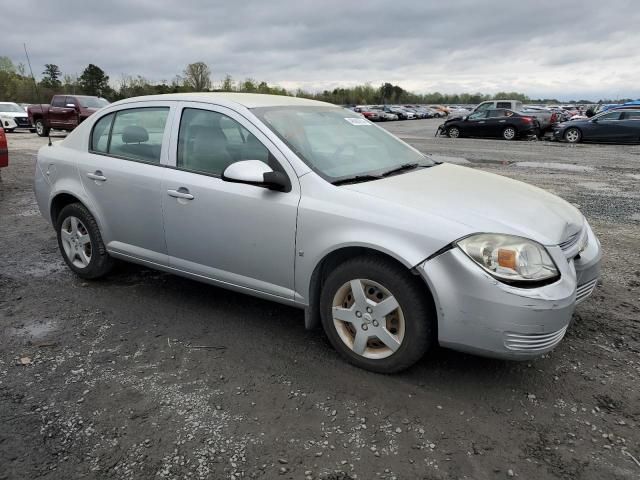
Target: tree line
[{"x": 16, "y": 85}]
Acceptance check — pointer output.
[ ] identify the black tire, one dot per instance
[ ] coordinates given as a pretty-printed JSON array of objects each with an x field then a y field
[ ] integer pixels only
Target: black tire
[
  {"x": 451, "y": 132},
  {"x": 410, "y": 293},
  {"x": 41, "y": 129},
  {"x": 100, "y": 263},
  {"x": 510, "y": 133},
  {"x": 572, "y": 135}
]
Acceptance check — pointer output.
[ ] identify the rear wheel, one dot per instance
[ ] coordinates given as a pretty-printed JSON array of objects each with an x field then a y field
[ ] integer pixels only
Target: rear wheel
[
  {"x": 376, "y": 314},
  {"x": 80, "y": 242},
  {"x": 453, "y": 132},
  {"x": 41, "y": 129},
  {"x": 509, "y": 133},
  {"x": 573, "y": 135}
]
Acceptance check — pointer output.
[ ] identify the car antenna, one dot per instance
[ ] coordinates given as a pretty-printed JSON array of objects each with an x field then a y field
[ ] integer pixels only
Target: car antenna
[{"x": 35, "y": 84}]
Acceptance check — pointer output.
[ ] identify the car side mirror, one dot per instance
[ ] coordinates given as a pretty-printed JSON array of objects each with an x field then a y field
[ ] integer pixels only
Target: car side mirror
[{"x": 258, "y": 173}]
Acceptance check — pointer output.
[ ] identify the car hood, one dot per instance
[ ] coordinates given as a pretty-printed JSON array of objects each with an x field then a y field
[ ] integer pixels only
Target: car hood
[
  {"x": 13, "y": 114},
  {"x": 480, "y": 201}
]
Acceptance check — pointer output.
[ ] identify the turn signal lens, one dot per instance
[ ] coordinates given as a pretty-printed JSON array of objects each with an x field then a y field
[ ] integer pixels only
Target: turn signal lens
[{"x": 508, "y": 257}]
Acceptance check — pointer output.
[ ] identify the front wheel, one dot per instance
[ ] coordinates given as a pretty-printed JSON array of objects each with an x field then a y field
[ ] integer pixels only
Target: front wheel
[
  {"x": 572, "y": 135},
  {"x": 81, "y": 243},
  {"x": 376, "y": 314},
  {"x": 509, "y": 133},
  {"x": 453, "y": 132},
  {"x": 41, "y": 129}
]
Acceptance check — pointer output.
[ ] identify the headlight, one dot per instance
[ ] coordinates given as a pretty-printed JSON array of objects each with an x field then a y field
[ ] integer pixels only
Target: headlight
[{"x": 510, "y": 258}]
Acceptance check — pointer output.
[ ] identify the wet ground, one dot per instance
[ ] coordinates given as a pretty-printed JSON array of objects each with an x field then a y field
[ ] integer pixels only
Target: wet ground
[{"x": 148, "y": 375}]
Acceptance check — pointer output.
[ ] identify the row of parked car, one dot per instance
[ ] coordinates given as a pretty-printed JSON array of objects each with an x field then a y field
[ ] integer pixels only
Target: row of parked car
[
  {"x": 383, "y": 113},
  {"x": 510, "y": 119}
]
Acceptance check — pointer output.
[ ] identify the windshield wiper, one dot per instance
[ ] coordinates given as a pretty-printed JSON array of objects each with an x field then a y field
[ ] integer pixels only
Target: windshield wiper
[
  {"x": 356, "y": 179},
  {"x": 401, "y": 168}
]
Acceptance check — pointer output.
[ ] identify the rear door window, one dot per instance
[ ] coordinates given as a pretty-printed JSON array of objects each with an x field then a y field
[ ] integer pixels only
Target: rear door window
[
  {"x": 632, "y": 115},
  {"x": 133, "y": 134},
  {"x": 503, "y": 105},
  {"x": 100, "y": 134}
]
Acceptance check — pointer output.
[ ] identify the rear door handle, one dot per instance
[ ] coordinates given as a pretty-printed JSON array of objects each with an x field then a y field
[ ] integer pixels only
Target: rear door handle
[
  {"x": 97, "y": 176},
  {"x": 180, "y": 193}
]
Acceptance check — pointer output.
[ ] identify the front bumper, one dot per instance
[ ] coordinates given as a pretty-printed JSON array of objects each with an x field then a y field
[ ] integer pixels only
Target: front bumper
[
  {"x": 479, "y": 314},
  {"x": 10, "y": 123}
]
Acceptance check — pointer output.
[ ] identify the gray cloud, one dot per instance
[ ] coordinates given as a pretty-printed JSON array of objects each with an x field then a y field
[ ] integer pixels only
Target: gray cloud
[{"x": 540, "y": 47}]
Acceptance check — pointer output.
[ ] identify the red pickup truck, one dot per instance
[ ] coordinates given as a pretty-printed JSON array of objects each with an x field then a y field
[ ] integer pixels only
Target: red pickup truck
[{"x": 65, "y": 112}]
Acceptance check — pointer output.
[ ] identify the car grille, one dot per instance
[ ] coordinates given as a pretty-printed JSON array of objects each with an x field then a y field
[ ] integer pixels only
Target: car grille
[
  {"x": 22, "y": 121},
  {"x": 533, "y": 342},
  {"x": 586, "y": 289}
]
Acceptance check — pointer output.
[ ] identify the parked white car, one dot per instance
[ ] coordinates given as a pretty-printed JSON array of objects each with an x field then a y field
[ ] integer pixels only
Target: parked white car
[
  {"x": 308, "y": 204},
  {"x": 13, "y": 116}
]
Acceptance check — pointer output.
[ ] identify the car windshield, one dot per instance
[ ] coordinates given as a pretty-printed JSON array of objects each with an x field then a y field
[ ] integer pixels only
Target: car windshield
[
  {"x": 92, "y": 102},
  {"x": 339, "y": 145},
  {"x": 11, "y": 107}
]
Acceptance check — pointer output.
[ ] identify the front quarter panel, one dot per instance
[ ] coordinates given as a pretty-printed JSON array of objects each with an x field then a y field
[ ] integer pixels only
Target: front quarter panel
[{"x": 331, "y": 218}]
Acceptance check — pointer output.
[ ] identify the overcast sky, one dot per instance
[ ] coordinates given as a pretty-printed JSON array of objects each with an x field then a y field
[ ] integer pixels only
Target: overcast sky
[{"x": 554, "y": 48}]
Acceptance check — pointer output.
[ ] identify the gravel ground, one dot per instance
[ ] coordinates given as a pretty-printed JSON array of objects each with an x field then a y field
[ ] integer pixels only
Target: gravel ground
[{"x": 148, "y": 375}]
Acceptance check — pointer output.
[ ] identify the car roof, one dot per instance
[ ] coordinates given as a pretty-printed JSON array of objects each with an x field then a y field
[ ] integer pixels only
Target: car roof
[{"x": 248, "y": 100}]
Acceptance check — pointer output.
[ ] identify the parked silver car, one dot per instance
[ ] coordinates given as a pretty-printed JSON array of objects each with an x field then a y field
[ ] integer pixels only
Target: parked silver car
[{"x": 307, "y": 204}]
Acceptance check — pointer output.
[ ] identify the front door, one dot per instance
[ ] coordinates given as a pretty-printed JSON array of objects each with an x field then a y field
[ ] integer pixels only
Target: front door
[
  {"x": 608, "y": 127},
  {"x": 59, "y": 113},
  {"x": 232, "y": 233},
  {"x": 476, "y": 124}
]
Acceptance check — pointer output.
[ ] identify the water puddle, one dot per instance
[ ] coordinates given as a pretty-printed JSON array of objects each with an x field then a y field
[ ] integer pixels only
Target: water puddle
[
  {"x": 35, "y": 331},
  {"x": 598, "y": 186},
  {"x": 567, "y": 167}
]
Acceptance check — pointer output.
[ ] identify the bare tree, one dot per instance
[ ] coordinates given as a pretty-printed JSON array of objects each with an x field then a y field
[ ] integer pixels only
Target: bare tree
[{"x": 197, "y": 77}]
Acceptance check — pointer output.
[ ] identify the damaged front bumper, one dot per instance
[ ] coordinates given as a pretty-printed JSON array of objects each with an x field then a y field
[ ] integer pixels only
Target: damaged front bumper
[{"x": 481, "y": 315}]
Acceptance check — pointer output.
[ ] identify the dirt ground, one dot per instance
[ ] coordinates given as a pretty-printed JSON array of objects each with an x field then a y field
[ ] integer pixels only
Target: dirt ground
[{"x": 148, "y": 375}]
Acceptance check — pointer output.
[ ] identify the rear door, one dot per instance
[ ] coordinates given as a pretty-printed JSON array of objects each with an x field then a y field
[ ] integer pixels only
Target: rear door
[
  {"x": 495, "y": 122},
  {"x": 631, "y": 125},
  {"x": 122, "y": 174},
  {"x": 232, "y": 233}
]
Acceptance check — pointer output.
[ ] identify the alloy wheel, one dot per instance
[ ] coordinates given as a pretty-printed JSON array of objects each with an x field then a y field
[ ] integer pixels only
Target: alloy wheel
[
  {"x": 368, "y": 319},
  {"x": 509, "y": 133},
  {"x": 572, "y": 135},
  {"x": 76, "y": 242},
  {"x": 39, "y": 127},
  {"x": 454, "y": 132}
]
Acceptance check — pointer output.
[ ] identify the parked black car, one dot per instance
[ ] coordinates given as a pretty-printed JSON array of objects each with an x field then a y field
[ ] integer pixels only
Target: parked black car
[
  {"x": 497, "y": 122},
  {"x": 612, "y": 126}
]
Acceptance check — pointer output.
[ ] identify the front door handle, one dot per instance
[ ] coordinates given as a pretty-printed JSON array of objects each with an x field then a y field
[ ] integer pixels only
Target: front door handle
[
  {"x": 180, "y": 193},
  {"x": 97, "y": 176}
]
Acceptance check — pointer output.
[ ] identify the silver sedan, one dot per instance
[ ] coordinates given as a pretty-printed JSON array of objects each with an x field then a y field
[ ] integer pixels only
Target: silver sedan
[{"x": 308, "y": 204}]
